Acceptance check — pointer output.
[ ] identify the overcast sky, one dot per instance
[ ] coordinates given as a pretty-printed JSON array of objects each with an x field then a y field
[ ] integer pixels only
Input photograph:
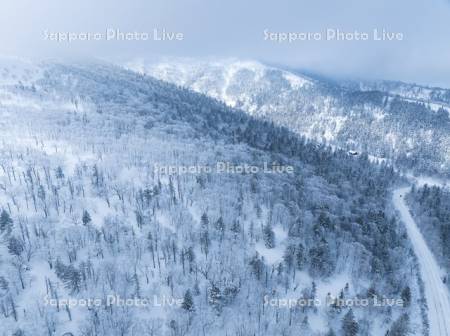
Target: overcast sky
[{"x": 235, "y": 28}]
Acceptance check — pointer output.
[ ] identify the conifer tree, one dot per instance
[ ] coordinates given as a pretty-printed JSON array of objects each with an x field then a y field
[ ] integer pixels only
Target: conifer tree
[
  {"x": 188, "y": 302},
  {"x": 86, "y": 217},
  {"x": 6, "y": 222},
  {"x": 349, "y": 325}
]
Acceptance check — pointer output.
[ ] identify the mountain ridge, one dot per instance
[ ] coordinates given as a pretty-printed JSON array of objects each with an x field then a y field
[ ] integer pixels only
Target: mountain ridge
[{"x": 409, "y": 125}]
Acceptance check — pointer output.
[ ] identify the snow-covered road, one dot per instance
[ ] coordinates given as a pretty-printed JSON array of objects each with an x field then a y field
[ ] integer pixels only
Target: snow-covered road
[{"x": 437, "y": 295}]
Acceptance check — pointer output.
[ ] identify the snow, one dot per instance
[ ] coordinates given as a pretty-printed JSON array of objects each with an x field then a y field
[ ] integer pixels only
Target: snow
[
  {"x": 215, "y": 78},
  {"x": 165, "y": 221},
  {"x": 274, "y": 255},
  {"x": 295, "y": 81},
  {"x": 14, "y": 70},
  {"x": 438, "y": 298},
  {"x": 376, "y": 159},
  {"x": 378, "y": 114},
  {"x": 430, "y": 181}
]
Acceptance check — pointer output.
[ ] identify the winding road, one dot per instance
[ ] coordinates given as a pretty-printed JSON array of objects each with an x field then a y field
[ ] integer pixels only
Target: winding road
[{"x": 437, "y": 294}]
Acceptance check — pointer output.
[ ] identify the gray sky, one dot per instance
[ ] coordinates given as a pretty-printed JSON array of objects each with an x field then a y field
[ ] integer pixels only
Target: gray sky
[{"x": 235, "y": 28}]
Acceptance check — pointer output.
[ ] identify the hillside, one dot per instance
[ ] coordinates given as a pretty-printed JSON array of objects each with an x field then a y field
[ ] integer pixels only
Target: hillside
[
  {"x": 406, "y": 124},
  {"x": 90, "y": 212}
]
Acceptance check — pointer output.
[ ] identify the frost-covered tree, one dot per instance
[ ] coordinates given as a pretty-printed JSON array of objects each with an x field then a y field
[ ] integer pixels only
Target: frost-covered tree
[
  {"x": 406, "y": 296},
  {"x": 401, "y": 326},
  {"x": 269, "y": 236},
  {"x": 69, "y": 275},
  {"x": 156, "y": 234},
  {"x": 86, "y": 218},
  {"x": 15, "y": 246},
  {"x": 6, "y": 222},
  {"x": 188, "y": 302}
]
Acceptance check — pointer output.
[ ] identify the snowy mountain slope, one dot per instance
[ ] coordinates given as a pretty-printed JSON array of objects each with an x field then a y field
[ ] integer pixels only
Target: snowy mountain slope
[
  {"x": 429, "y": 95},
  {"x": 87, "y": 213},
  {"x": 231, "y": 81},
  {"x": 17, "y": 71},
  {"x": 407, "y": 124}
]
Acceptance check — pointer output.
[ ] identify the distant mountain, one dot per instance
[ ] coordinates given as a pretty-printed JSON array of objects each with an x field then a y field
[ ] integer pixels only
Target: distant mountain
[
  {"x": 438, "y": 97},
  {"x": 404, "y": 123}
]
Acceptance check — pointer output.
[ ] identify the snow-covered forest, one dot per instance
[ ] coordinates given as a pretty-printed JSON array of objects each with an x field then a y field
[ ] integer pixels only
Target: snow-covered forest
[
  {"x": 406, "y": 124},
  {"x": 431, "y": 206},
  {"x": 86, "y": 216}
]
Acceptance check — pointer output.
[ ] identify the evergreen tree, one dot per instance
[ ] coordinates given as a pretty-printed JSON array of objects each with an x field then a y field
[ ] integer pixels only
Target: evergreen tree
[
  {"x": 4, "y": 284},
  {"x": 349, "y": 325},
  {"x": 320, "y": 259},
  {"x": 219, "y": 225},
  {"x": 18, "y": 332},
  {"x": 300, "y": 257},
  {"x": 215, "y": 298},
  {"x": 15, "y": 246},
  {"x": 59, "y": 173},
  {"x": 205, "y": 241},
  {"x": 204, "y": 220},
  {"x": 69, "y": 275},
  {"x": 86, "y": 218},
  {"x": 288, "y": 256},
  {"x": 330, "y": 333},
  {"x": 400, "y": 327},
  {"x": 188, "y": 302},
  {"x": 41, "y": 193},
  {"x": 6, "y": 222},
  {"x": 406, "y": 296},
  {"x": 269, "y": 236},
  {"x": 257, "y": 266}
]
